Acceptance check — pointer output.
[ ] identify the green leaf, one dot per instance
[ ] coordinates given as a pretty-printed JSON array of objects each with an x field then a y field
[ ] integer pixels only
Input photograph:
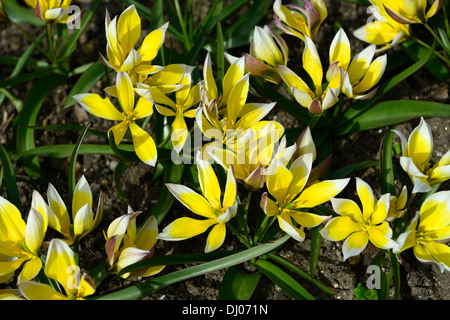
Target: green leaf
[
  {"x": 148, "y": 287},
  {"x": 72, "y": 43},
  {"x": 10, "y": 179},
  {"x": 120, "y": 169},
  {"x": 386, "y": 169},
  {"x": 73, "y": 161},
  {"x": 27, "y": 119},
  {"x": 344, "y": 122},
  {"x": 86, "y": 81},
  {"x": 395, "y": 111},
  {"x": 237, "y": 284},
  {"x": 283, "y": 280},
  {"x": 347, "y": 170},
  {"x": 65, "y": 150},
  {"x": 20, "y": 14},
  {"x": 316, "y": 241},
  {"x": 25, "y": 77}
]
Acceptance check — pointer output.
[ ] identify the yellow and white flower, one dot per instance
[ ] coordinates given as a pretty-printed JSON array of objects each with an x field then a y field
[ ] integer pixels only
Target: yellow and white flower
[
  {"x": 211, "y": 205},
  {"x": 144, "y": 145},
  {"x": 315, "y": 99},
  {"x": 52, "y": 11},
  {"x": 292, "y": 197},
  {"x": 60, "y": 266},
  {"x": 428, "y": 230},
  {"x": 361, "y": 73},
  {"x": 300, "y": 22},
  {"x": 409, "y": 12},
  {"x": 20, "y": 241},
  {"x": 357, "y": 227},
  {"x": 415, "y": 160}
]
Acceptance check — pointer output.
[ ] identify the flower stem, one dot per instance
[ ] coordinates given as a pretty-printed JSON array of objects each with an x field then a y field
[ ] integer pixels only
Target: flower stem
[
  {"x": 426, "y": 45},
  {"x": 438, "y": 39}
]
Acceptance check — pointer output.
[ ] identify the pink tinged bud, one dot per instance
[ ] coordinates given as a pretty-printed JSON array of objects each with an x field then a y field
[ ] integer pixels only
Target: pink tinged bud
[
  {"x": 259, "y": 69},
  {"x": 110, "y": 248},
  {"x": 398, "y": 18},
  {"x": 319, "y": 170},
  {"x": 38, "y": 11},
  {"x": 312, "y": 14},
  {"x": 315, "y": 107},
  {"x": 255, "y": 180}
]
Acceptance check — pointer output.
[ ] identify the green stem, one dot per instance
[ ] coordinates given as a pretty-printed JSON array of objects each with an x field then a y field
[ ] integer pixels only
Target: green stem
[
  {"x": 25, "y": 33},
  {"x": 426, "y": 45},
  {"x": 263, "y": 228},
  {"x": 240, "y": 237},
  {"x": 50, "y": 41},
  {"x": 396, "y": 269},
  {"x": 247, "y": 206},
  {"x": 438, "y": 39}
]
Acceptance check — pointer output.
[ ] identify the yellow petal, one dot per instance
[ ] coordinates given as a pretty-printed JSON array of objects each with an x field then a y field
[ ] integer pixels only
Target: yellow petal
[
  {"x": 233, "y": 75},
  {"x": 209, "y": 80},
  {"x": 269, "y": 206},
  {"x": 60, "y": 263},
  {"x": 125, "y": 92},
  {"x": 152, "y": 43},
  {"x": 434, "y": 252},
  {"x": 208, "y": 182},
  {"x": 372, "y": 76},
  {"x": 32, "y": 290},
  {"x": 435, "y": 212},
  {"x": 192, "y": 200},
  {"x": 143, "y": 109},
  {"x": 59, "y": 219},
  {"x": 179, "y": 132},
  {"x": 265, "y": 47},
  {"x": 185, "y": 228},
  {"x": 381, "y": 210},
  {"x": 320, "y": 193},
  {"x": 286, "y": 224},
  {"x": 98, "y": 106},
  {"x": 216, "y": 237},
  {"x": 252, "y": 117},
  {"x": 82, "y": 195},
  {"x": 300, "y": 169},
  {"x": 8, "y": 267},
  {"x": 340, "y": 49},
  {"x": 354, "y": 244},
  {"x": 146, "y": 237},
  {"x": 35, "y": 231},
  {"x": 360, "y": 63},
  {"x": 365, "y": 194},
  {"x": 377, "y": 32},
  {"x": 338, "y": 229},
  {"x": 144, "y": 145},
  {"x": 277, "y": 180},
  {"x": 420, "y": 145},
  {"x": 119, "y": 131},
  {"x": 307, "y": 219},
  {"x": 345, "y": 207},
  {"x": 312, "y": 64},
  {"x": 30, "y": 269},
  {"x": 129, "y": 28},
  {"x": 237, "y": 98},
  {"x": 380, "y": 236},
  {"x": 12, "y": 226},
  {"x": 83, "y": 222}
]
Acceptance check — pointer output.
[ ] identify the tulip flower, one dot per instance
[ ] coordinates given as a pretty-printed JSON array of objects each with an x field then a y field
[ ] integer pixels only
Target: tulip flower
[
  {"x": 357, "y": 226},
  {"x": 397, "y": 205},
  {"x": 428, "y": 230},
  {"x": 292, "y": 198},
  {"x": 82, "y": 220},
  {"x": 60, "y": 266},
  {"x": 362, "y": 73},
  {"x": 382, "y": 29},
  {"x": 224, "y": 117},
  {"x": 10, "y": 294},
  {"x": 300, "y": 22},
  {"x": 211, "y": 205},
  {"x": 20, "y": 241},
  {"x": 185, "y": 98},
  {"x": 126, "y": 246},
  {"x": 316, "y": 99},
  {"x": 252, "y": 155},
  {"x": 122, "y": 34},
  {"x": 267, "y": 50},
  {"x": 52, "y": 11},
  {"x": 409, "y": 12},
  {"x": 144, "y": 145},
  {"x": 415, "y": 160}
]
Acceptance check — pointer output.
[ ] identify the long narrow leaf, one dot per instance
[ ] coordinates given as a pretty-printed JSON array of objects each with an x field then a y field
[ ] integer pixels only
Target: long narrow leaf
[
  {"x": 148, "y": 287},
  {"x": 283, "y": 280},
  {"x": 10, "y": 179},
  {"x": 386, "y": 169},
  {"x": 73, "y": 161}
]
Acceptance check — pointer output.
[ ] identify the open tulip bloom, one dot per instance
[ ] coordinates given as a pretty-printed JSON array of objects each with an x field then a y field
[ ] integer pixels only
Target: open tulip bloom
[
  {"x": 211, "y": 205},
  {"x": 415, "y": 160},
  {"x": 60, "y": 266},
  {"x": 429, "y": 227},
  {"x": 292, "y": 196},
  {"x": 20, "y": 241},
  {"x": 300, "y": 22},
  {"x": 357, "y": 227},
  {"x": 82, "y": 220},
  {"x": 144, "y": 145},
  {"x": 361, "y": 73},
  {"x": 409, "y": 11},
  {"x": 383, "y": 30},
  {"x": 316, "y": 99},
  {"x": 126, "y": 246}
]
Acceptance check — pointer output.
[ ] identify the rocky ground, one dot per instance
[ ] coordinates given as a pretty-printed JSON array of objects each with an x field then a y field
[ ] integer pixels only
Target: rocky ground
[{"x": 419, "y": 281}]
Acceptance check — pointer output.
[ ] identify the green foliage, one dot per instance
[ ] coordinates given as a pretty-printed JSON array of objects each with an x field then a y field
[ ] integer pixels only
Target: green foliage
[{"x": 363, "y": 293}]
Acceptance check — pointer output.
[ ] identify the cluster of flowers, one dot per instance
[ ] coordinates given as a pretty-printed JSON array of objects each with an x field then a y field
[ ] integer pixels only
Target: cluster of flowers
[{"x": 255, "y": 153}]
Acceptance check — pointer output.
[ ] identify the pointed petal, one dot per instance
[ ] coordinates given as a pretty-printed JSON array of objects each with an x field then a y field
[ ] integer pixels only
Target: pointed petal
[
  {"x": 278, "y": 178},
  {"x": 185, "y": 228},
  {"x": 209, "y": 183},
  {"x": 312, "y": 64},
  {"x": 269, "y": 206},
  {"x": 372, "y": 76},
  {"x": 97, "y": 106},
  {"x": 59, "y": 219},
  {"x": 152, "y": 43},
  {"x": 129, "y": 28},
  {"x": 32, "y": 290},
  {"x": 285, "y": 223},
  {"x": 338, "y": 229},
  {"x": 216, "y": 237},
  {"x": 320, "y": 192},
  {"x": 12, "y": 226},
  {"x": 30, "y": 269},
  {"x": 125, "y": 92},
  {"x": 83, "y": 222},
  {"x": 237, "y": 98},
  {"x": 229, "y": 196},
  {"x": 354, "y": 244},
  {"x": 380, "y": 236},
  {"x": 82, "y": 195},
  {"x": 192, "y": 200},
  {"x": 340, "y": 49},
  {"x": 60, "y": 261},
  {"x": 35, "y": 231},
  {"x": 144, "y": 145},
  {"x": 118, "y": 131}
]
